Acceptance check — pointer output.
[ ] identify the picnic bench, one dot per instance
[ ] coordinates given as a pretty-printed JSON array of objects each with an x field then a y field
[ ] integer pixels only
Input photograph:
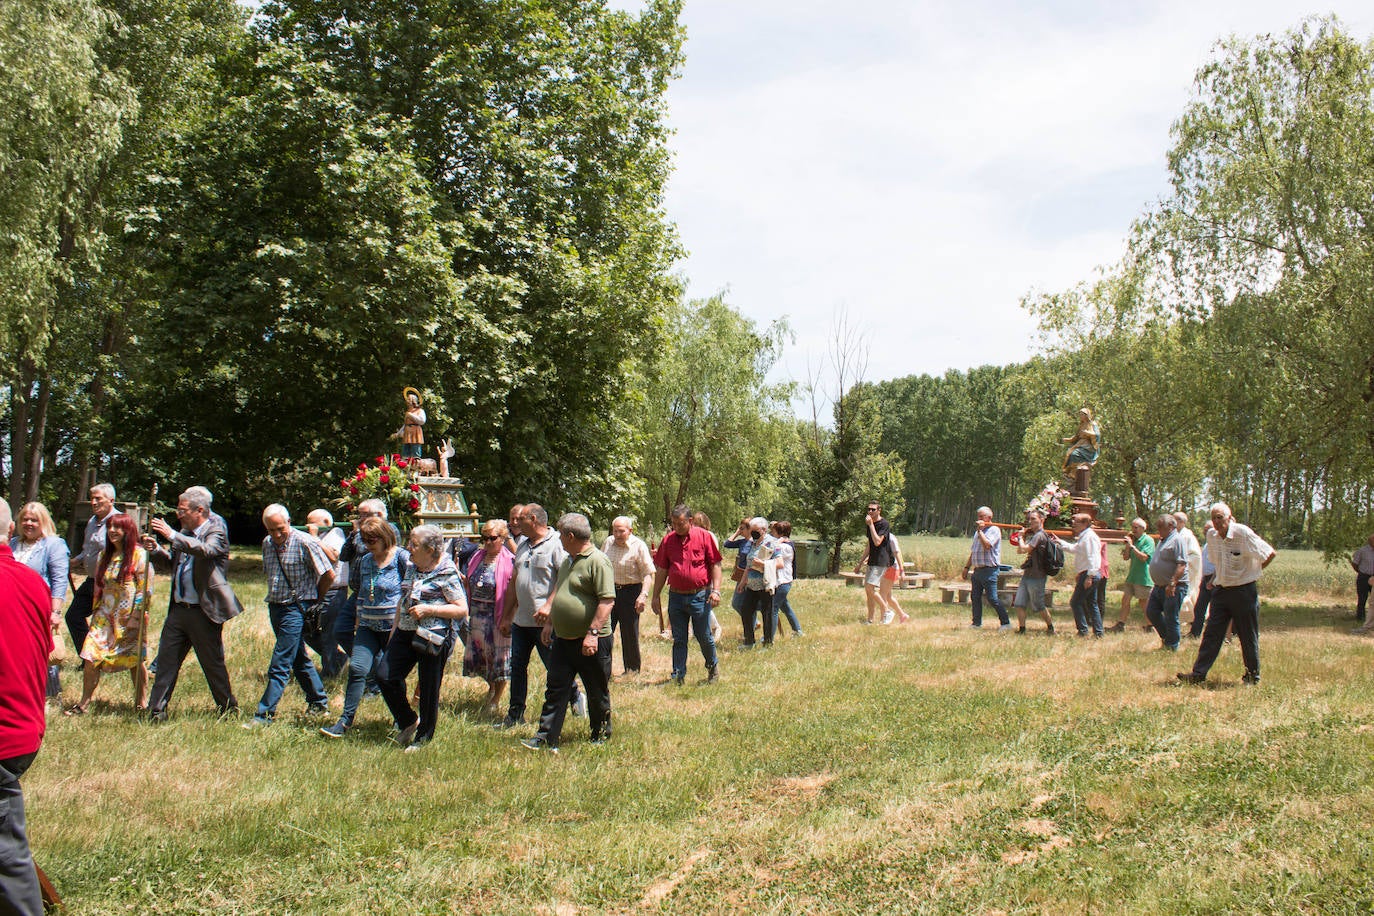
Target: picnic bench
[{"x": 909, "y": 579}]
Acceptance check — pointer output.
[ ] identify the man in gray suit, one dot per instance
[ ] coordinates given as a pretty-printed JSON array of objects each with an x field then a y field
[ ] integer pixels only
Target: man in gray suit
[{"x": 201, "y": 600}]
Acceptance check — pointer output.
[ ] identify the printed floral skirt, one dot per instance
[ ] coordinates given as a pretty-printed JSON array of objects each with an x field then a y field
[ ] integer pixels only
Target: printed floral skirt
[
  {"x": 118, "y": 638},
  {"x": 488, "y": 653}
]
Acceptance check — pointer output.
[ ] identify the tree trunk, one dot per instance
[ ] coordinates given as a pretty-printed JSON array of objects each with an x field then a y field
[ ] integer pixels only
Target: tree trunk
[
  {"x": 109, "y": 342},
  {"x": 20, "y": 392},
  {"x": 40, "y": 425}
]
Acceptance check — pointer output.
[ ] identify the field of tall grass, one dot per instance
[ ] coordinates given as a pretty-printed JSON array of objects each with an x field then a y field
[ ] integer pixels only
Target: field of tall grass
[{"x": 923, "y": 767}]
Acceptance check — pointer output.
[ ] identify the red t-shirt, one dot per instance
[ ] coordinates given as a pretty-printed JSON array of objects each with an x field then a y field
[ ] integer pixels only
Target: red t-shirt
[
  {"x": 688, "y": 560},
  {"x": 25, "y": 643}
]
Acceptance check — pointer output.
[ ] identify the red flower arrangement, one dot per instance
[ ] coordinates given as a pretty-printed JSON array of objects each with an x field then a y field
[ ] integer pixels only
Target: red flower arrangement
[{"x": 389, "y": 480}]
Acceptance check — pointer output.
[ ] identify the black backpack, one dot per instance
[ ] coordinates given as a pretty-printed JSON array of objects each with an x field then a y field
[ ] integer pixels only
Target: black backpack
[{"x": 1052, "y": 556}]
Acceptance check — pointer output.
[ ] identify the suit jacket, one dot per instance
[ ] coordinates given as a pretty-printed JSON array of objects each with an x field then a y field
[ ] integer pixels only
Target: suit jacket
[{"x": 210, "y": 561}]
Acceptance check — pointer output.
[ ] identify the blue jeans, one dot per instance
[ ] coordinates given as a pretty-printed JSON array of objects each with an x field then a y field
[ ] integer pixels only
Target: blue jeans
[
  {"x": 326, "y": 644},
  {"x": 1086, "y": 614},
  {"x": 984, "y": 582},
  {"x": 523, "y": 641},
  {"x": 1162, "y": 611},
  {"x": 346, "y": 623},
  {"x": 368, "y": 646},
  {"x": 781, "y": 606},
  {"x": 695, "y": 610},
  {"x": 1204, "y": 600},
  {"x": 288, "y": 657}
]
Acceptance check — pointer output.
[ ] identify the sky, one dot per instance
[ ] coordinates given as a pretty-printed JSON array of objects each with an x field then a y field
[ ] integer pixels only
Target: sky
[{"x": 922, "y": 166}]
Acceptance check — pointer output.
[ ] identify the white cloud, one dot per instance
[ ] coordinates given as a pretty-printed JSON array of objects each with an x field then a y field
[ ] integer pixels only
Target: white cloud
[{"x": 927, "y": 164}]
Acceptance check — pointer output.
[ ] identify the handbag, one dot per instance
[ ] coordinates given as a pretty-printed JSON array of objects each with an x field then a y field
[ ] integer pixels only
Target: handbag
[
  {"x": 430, "y": 640},
  {"x": 312, "y": 612}
]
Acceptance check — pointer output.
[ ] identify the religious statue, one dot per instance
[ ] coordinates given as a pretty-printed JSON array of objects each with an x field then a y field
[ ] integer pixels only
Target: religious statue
[
  {"x": 412, "y": 431},
  {"x": 1083, "y": 449}
]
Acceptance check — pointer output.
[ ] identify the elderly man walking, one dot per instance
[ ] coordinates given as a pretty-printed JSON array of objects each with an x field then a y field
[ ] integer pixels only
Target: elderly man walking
[
  {"x": 201, "y": 601},
  {"x": 92, "y": 546},
  {"x": 576, "y": 626},
  {"x": 688, "y": 561},
  {"x": 298, "y": 574},
  {"x": 760, "y": 580},
  {"x": 1169, "y": 582},
  {"x": 536, "y": 570},
  {"x": 1031, "y": 590},
  {"x": 1362, "y": 562},
  {"x": 325, "y": 641},
  {"x": 1087, "y": 570},
  {"x": 1240, "y": 556},
  {"x": 984, "y": 559},
  {"x": 1192, "y": 549}
]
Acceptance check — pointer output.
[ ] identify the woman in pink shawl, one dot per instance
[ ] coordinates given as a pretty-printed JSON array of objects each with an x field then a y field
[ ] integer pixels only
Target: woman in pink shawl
[{"x": 489, "y": 573}]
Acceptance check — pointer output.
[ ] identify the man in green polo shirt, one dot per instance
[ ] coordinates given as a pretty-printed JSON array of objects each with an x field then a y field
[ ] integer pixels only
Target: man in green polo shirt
[
  {"x": 1139, "y": 548},
  {"x": 576, "y": 623}
]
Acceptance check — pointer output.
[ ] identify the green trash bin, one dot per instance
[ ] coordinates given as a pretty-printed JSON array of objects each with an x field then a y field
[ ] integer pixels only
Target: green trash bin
[{"x": 813, "y": 558}]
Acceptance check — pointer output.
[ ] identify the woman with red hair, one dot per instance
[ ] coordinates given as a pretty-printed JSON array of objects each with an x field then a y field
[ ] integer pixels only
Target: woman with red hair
[{"x": 118, "y": 640}]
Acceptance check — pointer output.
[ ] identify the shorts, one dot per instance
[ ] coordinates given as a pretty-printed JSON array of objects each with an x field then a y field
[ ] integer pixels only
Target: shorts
[
  {"x": 874, "y": 576},
  {"x": 1136, "y": 590},
  {"x": 1030, "y": 593}
]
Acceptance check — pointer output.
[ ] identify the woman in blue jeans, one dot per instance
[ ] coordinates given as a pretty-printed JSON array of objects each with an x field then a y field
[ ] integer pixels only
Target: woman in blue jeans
[
  {"x": 381, "y": 569},
  {"x": 785, "y": 558}
]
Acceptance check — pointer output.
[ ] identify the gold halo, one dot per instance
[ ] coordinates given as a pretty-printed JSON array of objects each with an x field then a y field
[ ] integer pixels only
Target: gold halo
[{"x": 407, "y": 392}]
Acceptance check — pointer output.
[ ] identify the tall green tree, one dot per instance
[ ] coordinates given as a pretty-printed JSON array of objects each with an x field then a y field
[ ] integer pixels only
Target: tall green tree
[
  {"x": 1268, "y": 237},
  {"x": 460, "y": 196},
  {"x": 713, "y": 424},
  {"x": 838, "y": 467},
  {"x": 64, "y": 109}
]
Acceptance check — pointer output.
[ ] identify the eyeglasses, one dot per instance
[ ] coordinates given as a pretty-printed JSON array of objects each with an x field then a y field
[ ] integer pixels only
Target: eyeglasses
[
  {"x": 371, "y": 540},
  {"x": 491, "y": 537}
]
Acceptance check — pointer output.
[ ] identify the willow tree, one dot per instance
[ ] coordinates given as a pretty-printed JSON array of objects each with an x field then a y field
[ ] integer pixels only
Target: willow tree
[
  {"x": 713, "y": 425},
  {"x": 1268, "y": 238}
]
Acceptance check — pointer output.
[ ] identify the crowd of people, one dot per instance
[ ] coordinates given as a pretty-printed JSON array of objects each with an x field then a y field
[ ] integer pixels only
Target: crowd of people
[
  {"x": 1169, "y": 574},
  {"x": 375, "y": 606}
]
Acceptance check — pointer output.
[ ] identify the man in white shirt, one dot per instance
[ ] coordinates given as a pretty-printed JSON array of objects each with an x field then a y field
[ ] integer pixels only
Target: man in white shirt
[
  {"x": 1239, "y": 556},
  {"x": 92, "y": 546},
  {"x": 1087, "y": 569},
  {"x": 1193, "y": 551},
  {"x": 1362, "y": 561}
]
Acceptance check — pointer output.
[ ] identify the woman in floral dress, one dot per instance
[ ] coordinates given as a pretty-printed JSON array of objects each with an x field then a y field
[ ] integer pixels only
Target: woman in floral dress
[
  {"x": 118, "y": 640},
  {"x": 489, "y": 573}
]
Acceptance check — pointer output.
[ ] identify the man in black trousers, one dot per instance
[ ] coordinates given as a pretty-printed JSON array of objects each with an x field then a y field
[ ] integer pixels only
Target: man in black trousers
[{"x": 201, "y": 601}]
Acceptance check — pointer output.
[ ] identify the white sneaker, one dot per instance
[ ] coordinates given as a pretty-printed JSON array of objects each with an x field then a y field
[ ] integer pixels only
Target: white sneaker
[
  {"x": 1004, "y": 628},
  {"x": 887, "y": 617}
]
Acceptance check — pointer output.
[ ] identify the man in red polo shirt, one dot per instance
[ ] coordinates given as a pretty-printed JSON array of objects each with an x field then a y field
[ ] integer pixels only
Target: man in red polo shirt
[
  {"x": 688, "y": 560},
  {"x": 25, "y": 642}
]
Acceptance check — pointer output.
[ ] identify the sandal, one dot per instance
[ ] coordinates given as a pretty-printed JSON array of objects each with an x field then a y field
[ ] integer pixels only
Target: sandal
[{"x": 77, "y": 710}]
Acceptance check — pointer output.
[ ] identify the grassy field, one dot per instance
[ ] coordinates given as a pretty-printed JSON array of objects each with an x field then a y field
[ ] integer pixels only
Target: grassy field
[{"x": 915, "y": 768}]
